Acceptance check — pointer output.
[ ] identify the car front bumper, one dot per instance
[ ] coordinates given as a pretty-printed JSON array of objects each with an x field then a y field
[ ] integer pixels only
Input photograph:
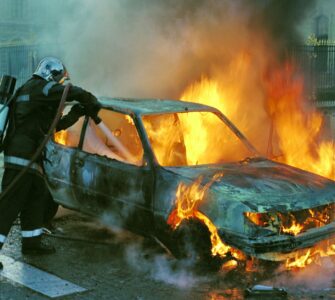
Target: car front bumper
[{"x": 278, "y": 247}]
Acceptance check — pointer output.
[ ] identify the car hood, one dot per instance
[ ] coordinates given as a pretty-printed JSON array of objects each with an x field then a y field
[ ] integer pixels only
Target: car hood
[{"x": 261, "y": 185}]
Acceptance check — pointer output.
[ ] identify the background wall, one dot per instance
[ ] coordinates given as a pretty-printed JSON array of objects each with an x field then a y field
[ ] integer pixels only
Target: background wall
[{"x": 320, "y": 20}]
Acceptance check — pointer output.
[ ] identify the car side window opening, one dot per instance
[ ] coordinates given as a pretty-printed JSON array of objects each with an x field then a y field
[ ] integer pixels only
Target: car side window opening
[
  {"x": 116, "y": 137},
  {"x": 71, "y": 136},
  {"x": 166, "y": 138}
]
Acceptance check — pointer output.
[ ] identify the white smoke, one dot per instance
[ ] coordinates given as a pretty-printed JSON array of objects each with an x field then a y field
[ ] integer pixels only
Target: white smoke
[
  {"x": 315, "y": 277},
  {"x": 161, "y": 267},
  {"x": 148, "y": 48}
]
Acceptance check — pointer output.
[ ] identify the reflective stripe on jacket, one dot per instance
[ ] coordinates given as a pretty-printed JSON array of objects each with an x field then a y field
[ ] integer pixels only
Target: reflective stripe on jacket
[{"x": 18, "y": 161}]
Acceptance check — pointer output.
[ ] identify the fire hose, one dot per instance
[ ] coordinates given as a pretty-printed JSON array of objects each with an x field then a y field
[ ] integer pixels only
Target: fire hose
[
  {"x": 42, "y": 145},
  {"x": 111, "y": 138},
  {"x": 51, "y": 234}
]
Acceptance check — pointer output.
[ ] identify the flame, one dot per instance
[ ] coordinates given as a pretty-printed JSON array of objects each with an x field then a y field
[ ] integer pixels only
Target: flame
[
  {"x": 60, "y": 137},
  {"x": 193, "y": 138},
  {"x": 306, "y": 257},
  {"x": 294, "y": 229},
  {"x": 257, "y": 218},
  {"x": 292, "y": 125},
  {"x": 163, "y": 136},
  {"x": 300, "y": 261},
  {"x": 188, "y": 198},
  {"x": 288, "y": 223},
  {"x": 129, "y": 119},
  {"x": 230, "y": 265},
  {"x": 295, "y": 126}
]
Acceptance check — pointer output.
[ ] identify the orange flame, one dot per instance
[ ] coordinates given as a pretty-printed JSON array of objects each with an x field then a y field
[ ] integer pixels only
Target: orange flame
[
  {"x": 294, "y": 229},
  {"x": 296, "y": 125},
  {"x": 291, "y": 125},
  {"x": 306, "y": 257},
  {"x": 288, "y": 223},
  {"x": 60, "y": 137},
  {"x": 188, "y": 139},
  {"x": 129, "y": 120},
  {"x": 188, "y": 198}
]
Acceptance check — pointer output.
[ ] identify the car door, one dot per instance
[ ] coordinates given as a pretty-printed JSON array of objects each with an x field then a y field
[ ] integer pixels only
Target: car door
[
  {"x": 116, "y": 182},
  {"x": 58, "y": 165}
]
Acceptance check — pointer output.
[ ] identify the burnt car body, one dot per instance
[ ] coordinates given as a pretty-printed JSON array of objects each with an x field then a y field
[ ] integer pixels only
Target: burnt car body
[{"x": 140, "y": 195}]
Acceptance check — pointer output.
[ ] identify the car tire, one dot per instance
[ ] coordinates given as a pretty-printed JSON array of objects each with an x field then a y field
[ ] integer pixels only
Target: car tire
[{"x": 192, "y": 243}]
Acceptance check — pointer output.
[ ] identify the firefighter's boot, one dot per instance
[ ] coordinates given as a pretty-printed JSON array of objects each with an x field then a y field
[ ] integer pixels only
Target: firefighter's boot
[{"x": 35, "y": 246}]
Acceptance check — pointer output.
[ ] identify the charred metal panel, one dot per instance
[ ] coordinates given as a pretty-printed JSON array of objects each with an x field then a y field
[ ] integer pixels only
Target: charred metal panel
[
  {"x": 166, "y": 184},
  {"x": 112, "y": 187},
  {"x": 58, "y": 168},
  {"x": 265, "y": 186},
  {"x": 100, "y": 186},
  {"x": 258, "y": 246},
  {"x": 152, "y": 106}
]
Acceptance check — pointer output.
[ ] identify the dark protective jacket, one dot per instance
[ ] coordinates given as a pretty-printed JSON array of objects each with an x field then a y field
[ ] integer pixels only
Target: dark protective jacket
[{"x": 33, "y": 111}]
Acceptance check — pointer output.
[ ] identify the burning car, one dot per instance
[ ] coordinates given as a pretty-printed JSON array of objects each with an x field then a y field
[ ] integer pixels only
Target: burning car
[{"x": 150, "y": 167}]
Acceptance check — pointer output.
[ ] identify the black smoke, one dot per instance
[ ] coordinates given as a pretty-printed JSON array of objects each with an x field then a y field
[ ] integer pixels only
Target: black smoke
[{"x": 279, "y": 20}]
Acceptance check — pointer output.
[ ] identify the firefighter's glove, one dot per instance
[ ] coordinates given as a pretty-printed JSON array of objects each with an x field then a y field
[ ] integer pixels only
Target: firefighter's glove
[
  {"x": 72, "y": 117},
  {"x": 93, "y": 111},
  {"x": 77, "y": 111}
]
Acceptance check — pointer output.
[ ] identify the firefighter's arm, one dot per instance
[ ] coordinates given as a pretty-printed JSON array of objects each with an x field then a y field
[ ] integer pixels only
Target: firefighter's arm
[
  {"x": 72, "y": 117},
  {"x": 85, "y": 98},
  {"x": 88, "y": 100}
]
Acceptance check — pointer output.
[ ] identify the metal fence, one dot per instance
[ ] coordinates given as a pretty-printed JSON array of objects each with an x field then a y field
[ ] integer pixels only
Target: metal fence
[
  {"x": 18, "y": 61},
  {"x": 317, "y": 62}
]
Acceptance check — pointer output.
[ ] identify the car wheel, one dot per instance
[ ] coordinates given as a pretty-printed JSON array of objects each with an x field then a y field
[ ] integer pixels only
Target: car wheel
[{"x": 192, "y": 243}]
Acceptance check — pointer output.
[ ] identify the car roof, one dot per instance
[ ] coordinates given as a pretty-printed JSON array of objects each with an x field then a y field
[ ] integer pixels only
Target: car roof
[{"x": 151, "y": 106}]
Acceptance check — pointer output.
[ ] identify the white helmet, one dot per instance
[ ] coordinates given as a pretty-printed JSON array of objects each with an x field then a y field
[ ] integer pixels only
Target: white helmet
[{"x": 51, "y": 68}]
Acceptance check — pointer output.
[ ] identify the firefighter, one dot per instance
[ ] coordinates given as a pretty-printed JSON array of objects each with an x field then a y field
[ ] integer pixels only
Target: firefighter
[{"x": 33, "y": 110}]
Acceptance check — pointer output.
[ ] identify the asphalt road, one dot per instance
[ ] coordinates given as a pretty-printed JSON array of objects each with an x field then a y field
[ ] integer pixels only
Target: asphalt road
[{"x": 115, "y": 264}]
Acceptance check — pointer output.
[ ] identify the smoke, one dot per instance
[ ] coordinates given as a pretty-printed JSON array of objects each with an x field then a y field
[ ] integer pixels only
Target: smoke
[
  {"x": 306, "y": 278},
  {"x": 161, "y": 267},
  {"x": 279, "y": 20},
  {"x": 153, "y": 48}
]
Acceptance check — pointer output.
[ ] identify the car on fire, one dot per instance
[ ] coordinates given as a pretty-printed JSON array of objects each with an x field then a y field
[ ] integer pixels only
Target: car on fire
[{"x": 128, "y": 168}]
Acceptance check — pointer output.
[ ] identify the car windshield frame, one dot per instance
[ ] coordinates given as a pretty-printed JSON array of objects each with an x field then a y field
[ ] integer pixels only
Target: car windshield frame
[{"x": 219, "y": 114}]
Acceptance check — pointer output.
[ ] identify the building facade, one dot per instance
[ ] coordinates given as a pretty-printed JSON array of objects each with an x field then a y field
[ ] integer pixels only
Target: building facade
[
  {"x": 24, "y": 27},
  {"x": 320, "y": 21}
]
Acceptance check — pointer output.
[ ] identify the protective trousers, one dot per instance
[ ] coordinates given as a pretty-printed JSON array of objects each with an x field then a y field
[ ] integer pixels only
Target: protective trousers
[{"x": 26, "y": 198}]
